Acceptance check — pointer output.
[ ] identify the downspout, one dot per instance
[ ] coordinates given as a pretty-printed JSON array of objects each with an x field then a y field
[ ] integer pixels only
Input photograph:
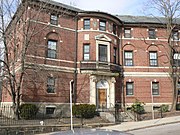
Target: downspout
[
  {"x": 122, "y": 72},
  {"x": 75, "y": 60}
]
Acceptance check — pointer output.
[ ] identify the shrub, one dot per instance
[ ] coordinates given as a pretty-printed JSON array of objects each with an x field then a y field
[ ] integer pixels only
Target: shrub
[
  {"x": 138, "y": 107},
  {"x": 164, "y": 108},
  {"x": 84, "y": 110},
  {"x": 28, "y": 111}
]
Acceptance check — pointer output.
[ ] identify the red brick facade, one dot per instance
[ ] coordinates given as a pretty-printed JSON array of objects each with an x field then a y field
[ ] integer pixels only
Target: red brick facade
[{"x": 98, "y": 77}]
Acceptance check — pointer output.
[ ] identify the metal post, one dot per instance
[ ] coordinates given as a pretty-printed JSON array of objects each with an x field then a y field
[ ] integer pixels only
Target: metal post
[
  {"x": 152, "y": 102},
  {"x": 70, "y": 98}
]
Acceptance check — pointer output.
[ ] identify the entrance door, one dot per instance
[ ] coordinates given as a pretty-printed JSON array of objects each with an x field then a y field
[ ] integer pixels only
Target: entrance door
[{"x": 102, "y": 98}]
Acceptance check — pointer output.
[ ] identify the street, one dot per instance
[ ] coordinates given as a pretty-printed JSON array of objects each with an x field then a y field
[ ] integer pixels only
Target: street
[{"x": 170, "y": 129}]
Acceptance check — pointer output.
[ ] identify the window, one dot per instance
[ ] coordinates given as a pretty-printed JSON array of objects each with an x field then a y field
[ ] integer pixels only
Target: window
[
  {"x": 86, "y": 52},
  {"x": 103, "y": 53},
  {"x": 153, "y": 59},
  {"x": 127, "y": 32},
  {"x": 155, "y": 88},
  {"x": 129, "y": 88},
  {"x": 54, "y": 19},
  {"x": 115, "y": 55},
  {"x": 86, "y": 24},
  {"x": 175, "y": 35},
  {"x": 51, "y": 85},
  {"x": 50, "y": 110},
  {"x": 128, "y": 58},
  {"x": 114, "y": 29},
  {"x": 178, "y": 86},
  {"x": 176, "y": 59},
  {"x": 102, "y": 25},
  {"x": 152, "y": 34},
  {"x": 51, "y": 49}
]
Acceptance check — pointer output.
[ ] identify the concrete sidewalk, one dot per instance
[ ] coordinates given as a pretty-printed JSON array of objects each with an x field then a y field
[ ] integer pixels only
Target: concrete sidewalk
[{"x": 128, "y": 126}]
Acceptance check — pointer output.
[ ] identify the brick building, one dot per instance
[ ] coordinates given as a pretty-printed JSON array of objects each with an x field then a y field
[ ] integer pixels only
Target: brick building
[{"x": 109, "y": 58}]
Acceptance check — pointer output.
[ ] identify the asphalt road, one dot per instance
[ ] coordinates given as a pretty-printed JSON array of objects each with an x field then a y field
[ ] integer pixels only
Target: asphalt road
[
  {"x": 90, "y": 132},
  {"x": 170, "y": 129}
]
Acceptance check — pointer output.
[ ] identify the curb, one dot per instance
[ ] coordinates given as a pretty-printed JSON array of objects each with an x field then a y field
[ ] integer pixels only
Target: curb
[{"x": 151, "y": 126}]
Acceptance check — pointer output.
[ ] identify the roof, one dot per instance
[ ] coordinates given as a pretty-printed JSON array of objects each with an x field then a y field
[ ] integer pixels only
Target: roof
[
  {"x": 62, "y": 5},
  {"x": 127, "y": 19}
]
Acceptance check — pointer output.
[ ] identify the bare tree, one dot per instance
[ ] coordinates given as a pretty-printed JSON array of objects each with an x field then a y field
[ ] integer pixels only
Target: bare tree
[
  {"x": 170, "y": 11},
  {"x": 16, "y": 33}
]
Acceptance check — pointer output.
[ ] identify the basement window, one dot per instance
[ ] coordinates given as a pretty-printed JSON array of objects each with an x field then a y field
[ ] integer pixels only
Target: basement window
[{"x": 50, "y": 110}]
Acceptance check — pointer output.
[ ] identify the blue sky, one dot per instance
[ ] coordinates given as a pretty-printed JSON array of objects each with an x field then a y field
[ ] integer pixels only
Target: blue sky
[{"x": 120, "y": 7}]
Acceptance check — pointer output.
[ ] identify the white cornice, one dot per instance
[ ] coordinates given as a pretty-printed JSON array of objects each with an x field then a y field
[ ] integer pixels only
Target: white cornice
[
  {"x": 56, "y": 26},
  {"x": 58, "y": 60},
  {"x": 146, "y": 74}
]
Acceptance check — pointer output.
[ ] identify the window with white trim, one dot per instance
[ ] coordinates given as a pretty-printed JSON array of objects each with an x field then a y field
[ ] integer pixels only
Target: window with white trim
[
  {"x": 127, "y": 32},
  {"x": 102, "y": 25},
  {"x": 51, "y": 85},
  {"x": 155, "y": 88},
  {"x": 175, "y": 35},
  {"x": 128, "y": 58},
  {"x": 153, "y": 61},
  {"x": 86, "y": 52},
  {"x": 152, "y": 33},
  {"x": 86, "y": 24},
  {"x": 52, "y": 45},
  {"x": 129, "y": 88},
  {"x": 103, "y": 53},
  {"x": 54, "y": 19}
]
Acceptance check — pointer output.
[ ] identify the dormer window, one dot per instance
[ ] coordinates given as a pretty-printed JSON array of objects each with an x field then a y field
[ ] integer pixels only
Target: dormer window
[{"x": 54, "y": 19}]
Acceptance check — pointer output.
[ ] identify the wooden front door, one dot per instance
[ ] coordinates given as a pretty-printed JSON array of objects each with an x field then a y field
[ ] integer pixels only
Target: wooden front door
[{"x": 102, "y": 98}]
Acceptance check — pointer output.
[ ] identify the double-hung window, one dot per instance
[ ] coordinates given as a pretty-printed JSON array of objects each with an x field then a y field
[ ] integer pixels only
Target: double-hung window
[
  {"x": 54, "y": 19},
  {"x": 52, "y": 45},
  {"x": 114, "y": 29},
  {"x": 176, "y": 59},
  {"x": 152, "y": 34},
  {"x": 129, "y": 88},
  {"x": 103, "y": 53},
  {"x": 86, "y": 52},
  {"x": 155, "y": 88},
  {"x": 86, "y": 24},
  {"x": 102, "y": 25},
  {"x": 127, "y": 32},
  {"x": 51, "y": 85},
  {"x": 115, "y": 55},
  {"x": 128, "y": 58},
  {"x": 153, "y": 61},
  {"x": 175, "y": 35}
]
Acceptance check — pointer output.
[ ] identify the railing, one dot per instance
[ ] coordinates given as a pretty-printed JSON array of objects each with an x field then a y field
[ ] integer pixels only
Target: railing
[{"x": 97, "y": 65}]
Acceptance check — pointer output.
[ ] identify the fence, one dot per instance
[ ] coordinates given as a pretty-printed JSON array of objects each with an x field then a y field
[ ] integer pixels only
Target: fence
[
  {"x": 51, "y": 116},
  {"x": 47, "y": 115}
]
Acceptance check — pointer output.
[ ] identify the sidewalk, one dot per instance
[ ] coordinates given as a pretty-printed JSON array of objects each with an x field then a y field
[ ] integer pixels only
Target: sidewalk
[{"x": 127, "y": 126}]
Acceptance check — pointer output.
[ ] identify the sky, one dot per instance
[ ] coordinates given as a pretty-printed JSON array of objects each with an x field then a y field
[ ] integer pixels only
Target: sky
[{"x": 115, "y": 7}]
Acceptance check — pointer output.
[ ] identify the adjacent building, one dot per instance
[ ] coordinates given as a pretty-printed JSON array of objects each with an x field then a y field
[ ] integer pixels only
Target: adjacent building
[{"x": 111, "y": 59}]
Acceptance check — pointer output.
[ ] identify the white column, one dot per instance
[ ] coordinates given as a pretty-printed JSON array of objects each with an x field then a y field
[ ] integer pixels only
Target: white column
[
  {"x": 112, "y": 92},
  {"x": 93, "y": 89}
]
